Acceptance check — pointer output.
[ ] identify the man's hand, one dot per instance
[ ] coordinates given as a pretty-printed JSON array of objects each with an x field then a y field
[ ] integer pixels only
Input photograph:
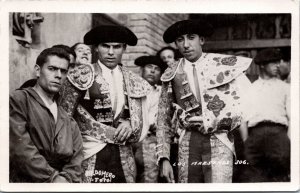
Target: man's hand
[
  {"x": 166, "y": 171},
  {"x": 60, "y": 179},
  {"x": 194, "y": 122},
  {"x": 123, "y": 132}
]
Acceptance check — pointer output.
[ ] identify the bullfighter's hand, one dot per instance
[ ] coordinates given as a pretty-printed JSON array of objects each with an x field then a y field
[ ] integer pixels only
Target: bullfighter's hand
[
  {"x": 123, "y": 131},
  {"x": 166, "y": 171}
]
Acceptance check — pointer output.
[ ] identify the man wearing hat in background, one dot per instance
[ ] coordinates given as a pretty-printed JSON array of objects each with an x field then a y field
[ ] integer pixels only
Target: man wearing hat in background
[
  {"x": 145, "y": 154},
  {"x": 267, "y": 149},
  {"x": 108, "y": 103},
  {"x": 285, "y": 65},
  {"x": 201, "y": 103}
]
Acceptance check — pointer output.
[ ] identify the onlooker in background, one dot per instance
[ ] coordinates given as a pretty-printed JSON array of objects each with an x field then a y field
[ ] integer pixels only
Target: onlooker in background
[
  {"x": 145, "y": 154},
  {"x": 83, "y": 53},
  {"x": 169, "y": 55},
  {"x": 109, "y": 104},
  {"x": 69, "y": 50},
  {"x": 267, "y": 148},
  {"x": 285, "y": 65},
  {"x": 45, "y": 144}
]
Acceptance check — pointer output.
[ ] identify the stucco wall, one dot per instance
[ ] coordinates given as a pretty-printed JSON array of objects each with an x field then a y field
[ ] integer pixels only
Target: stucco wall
[{"x": 56, "y": 28}]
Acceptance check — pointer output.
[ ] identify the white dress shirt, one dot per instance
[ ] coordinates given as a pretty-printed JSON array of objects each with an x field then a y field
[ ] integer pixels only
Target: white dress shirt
[
  {"x": 152, "y": 103},
  {"x": 188, "y": 69},
  {"x": 269, "y": 100},
  {"x": 107, "y": 74}
]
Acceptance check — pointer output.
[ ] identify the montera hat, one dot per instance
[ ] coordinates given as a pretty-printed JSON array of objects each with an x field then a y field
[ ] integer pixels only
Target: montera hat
[
  {"x": 144, "y": 60},
  {"x": 110, "y": 33},
  {"x": 267, "y": 55},
  {"x": 179, "y": 28}
]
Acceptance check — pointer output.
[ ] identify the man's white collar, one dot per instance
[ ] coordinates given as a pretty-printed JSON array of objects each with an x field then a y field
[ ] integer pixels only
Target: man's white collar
[{"x": 199, "y": 59}]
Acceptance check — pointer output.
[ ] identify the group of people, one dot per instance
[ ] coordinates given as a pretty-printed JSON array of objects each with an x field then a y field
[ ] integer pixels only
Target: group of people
[{"x": 101, "y": 123}]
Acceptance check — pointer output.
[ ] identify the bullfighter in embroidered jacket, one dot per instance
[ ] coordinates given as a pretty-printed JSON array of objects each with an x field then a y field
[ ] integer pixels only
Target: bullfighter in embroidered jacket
[
  {"x": 201, "y": 102},
  {"x": 108, "y": 102}
]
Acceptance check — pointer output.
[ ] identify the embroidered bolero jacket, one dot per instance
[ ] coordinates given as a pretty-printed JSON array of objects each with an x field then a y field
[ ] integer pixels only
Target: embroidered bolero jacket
[
  {"x": 85, "y": 96},
  {"x": 220, "y": 98}
]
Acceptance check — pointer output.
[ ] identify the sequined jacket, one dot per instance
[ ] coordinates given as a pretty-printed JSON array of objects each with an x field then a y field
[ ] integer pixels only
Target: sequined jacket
[
  {"x": 85, "y": 96},
  {"x": 220, "y": 99}
]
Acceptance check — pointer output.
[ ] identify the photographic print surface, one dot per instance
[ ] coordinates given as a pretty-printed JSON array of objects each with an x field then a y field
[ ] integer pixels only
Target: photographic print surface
[{"x": 201, "y": 139}]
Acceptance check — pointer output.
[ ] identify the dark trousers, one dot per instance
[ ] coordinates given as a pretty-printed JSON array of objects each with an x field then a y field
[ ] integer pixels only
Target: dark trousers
[
  {"x": 200, "y": 151},
  {"x": 108, "y": 165},
  {"x": 210, "y": 160},
  {"x": 267, "y": 150},
  {"x": 239, "y": 152}
]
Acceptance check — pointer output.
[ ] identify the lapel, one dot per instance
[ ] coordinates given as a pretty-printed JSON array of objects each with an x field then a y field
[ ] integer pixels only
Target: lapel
[
  {"x": 60, "y": 121},
  {"x": 135, "y": 86},
  {"x": 35, "y": 95},
  {"x": 103, "y": 86}
]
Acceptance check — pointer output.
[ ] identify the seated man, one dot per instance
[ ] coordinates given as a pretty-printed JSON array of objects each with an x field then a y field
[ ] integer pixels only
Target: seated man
[{"x": 45, "y": 144}]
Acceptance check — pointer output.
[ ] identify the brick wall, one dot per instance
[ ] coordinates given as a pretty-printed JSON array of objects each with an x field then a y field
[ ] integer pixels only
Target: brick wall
[{"x": 149, "y": 28}]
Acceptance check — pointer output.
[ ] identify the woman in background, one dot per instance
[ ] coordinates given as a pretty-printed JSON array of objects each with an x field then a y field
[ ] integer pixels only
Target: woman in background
[
  {"x": 83, "y": 53},
  {"x": 168, "y": 55}
]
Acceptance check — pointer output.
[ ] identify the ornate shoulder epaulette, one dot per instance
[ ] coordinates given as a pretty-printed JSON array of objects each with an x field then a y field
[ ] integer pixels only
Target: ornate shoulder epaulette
[
  {"x": 82, "y": 76},
  {"x": 170, "y": 72},
  {"x": 137, "y": 87},
  {"x": 221, "y": 69}
]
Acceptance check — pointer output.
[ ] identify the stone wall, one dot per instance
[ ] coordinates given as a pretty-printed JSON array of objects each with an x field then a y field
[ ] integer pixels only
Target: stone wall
[{"x": 56, "y": 28}]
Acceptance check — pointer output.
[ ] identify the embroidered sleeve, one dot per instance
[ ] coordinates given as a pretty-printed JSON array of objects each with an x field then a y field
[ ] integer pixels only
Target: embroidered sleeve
[
  {"x": 69, "y": 97},
  {"x": 89, "y": 126},
  {"x": 164, "y": 131}
]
